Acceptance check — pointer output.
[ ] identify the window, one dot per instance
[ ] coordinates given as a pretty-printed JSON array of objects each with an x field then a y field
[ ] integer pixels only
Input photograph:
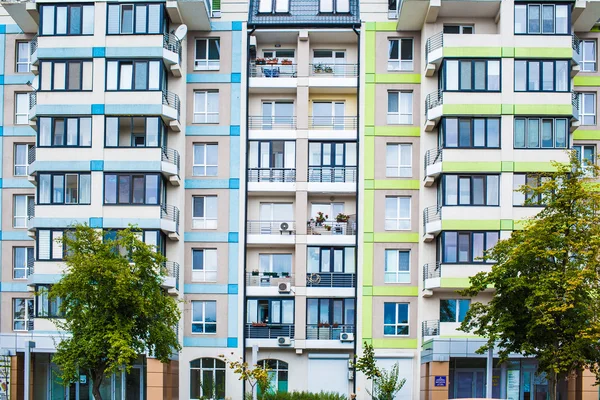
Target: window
[
  {"x": 398, "y": 161},
  {"x": 271, "y": 311},
  {"x": 459, "y": 29},
  {"x": 49, "y": 244},
  {"x": 331, "y": 162},
  {"x": 587, "y": 55},
  {"x": 395, "y": 319},
  {"x": 139, "y": 189},
  {"x": 64, "y": 188},
  {"x": 471, "y": 132},
  {"x": 206, "y": 159},
  {"x": 69, "y": 75},
  {"x": 204, "y": 212},
  {"x": 22, "y": 208},
  {"x": 47, "y": 307},
  {"x": 277, "y": 264},
  {"x": 334, "y": 6},
  {"x": 21, "y": 108},
  {"x": 204, "y": 316},
  {"x": 134, "y": 75},
  {"x": 277, "y": 115},
  {"x": 397, "y": 266},
  {"x": 59, "y": 132},
  {"x": 466, "y": 247},
  {"x": 400, "y": 108},
  {"x": 547, "y": 133},
  {"x": 542, "y": 19},
  {"x": 273, "y": 6},
  {"x": 124, "y": 19},
  {"x": 471, "y": 75},
  {"x": 206, "y": 107},
  {"x": 271, "y": 215},
  {"x": 324, "y": 60},
  {"x": 208, "y": 54},
  {"x": 135, "y": 132},
  {"x": 23, "y": 57},
  {"x": 22, "y": 258},
  {"x": 331, "y": 259},
  {"x": 528, "y": 198},
  {"x": 329, "y": 115},
  {"x": 545, "y": 76},
  {"x": 73, "y": 19},
  {"x": 272, "y": 161},
  {"x": 207, "y": 378},
  {"x": 471, "y": 190},
  {"x": 400, "y": 54},
  {"x": 397, "y": 213},
  {"x": 587, "y": 108},
  {"x": 586, "y": 154},
  {"x": 454, "y": 310},
  {"x": 329, "y": 312},
  {"x": 21, "y": 161},
  {"x": 204, "y": 265},
  {"x": 278, "y": 375},
  {"x": 22, "y": 313}
]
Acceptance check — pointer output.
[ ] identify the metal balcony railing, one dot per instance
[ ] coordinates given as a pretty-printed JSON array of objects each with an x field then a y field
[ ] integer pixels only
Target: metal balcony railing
[
  {"x": 33, "y": 44},
  {"x": 272, "y": 122},
  {"x": 271, "y": 227},
  {"x": 432, "y": 156},
  {"x": 30, "y": 210},
  {"x": 273, "y": 70},
  {"x": 170, "y": 213},
  {"x": 31, "y": 155},
  {"x": 30, "y": 324},
  {"x": 171, "y": 269},
  {"x": 268, "y": 279},
  {"x": 430, "y": 328},
  {"x": 30, "y": 266},
  {"x": 171, "y": 43},
  {"x": 32, "y": 100},
  {"x": 332, "y": 227},
  {"x": 341, "y": 123},
  {"x": 259, "y": 330},
  {"x": 431, "y": 214},
  {"x": 432, "y": 270},
  {"x": 330, "y": 70},
  {"x": 575, "y": 102},
  {"x": 332, "y": 174},
  {"x": 331, "y": 279},
  {"x": 171, "y": 156},
  {"x": 327, "y": 331},
  {"x": 433, "y": 43},
  {"x": 433, "y": 100},
  {"x": 576, "y": 44},
  {"x": 172, "y": 100},
  {"x": 272, "y": 175}
]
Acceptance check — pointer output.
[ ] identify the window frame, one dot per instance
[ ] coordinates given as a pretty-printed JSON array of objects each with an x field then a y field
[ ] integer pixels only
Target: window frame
[
  {"x": 334, "y": 8},
  {"x": 400, "y": 276},
  {"x": 470, "y": 259},
  {"x": 346, "y": 267},
  {"x": 159, "y": 195},
  {"x": 460, "y": 62},
  {"x": 273, "y": 8},
  {"x": 203, "y": 322},
  {"x": 64, "y": 190},
  {"x": 161, "y": 131},
  {"x": 254, "y": 318},
  {"x": 581, "y": 97},
  {"x": 52, "y": 309},
  {"x": 196, "y": 384},
  {"x": 16, "y": 146},
  {"x": 400, "y": 60},
  {"x": 330, "y": 310},
  {"x": 67, "y": 62},
  {"x": 28, "y": 198},
  {"x": 133, "y": 61},
  {"x": 17, "y": 56},
  {"x": 398, "y": 220},
  {"x": 51, "y": 255},
  {"x": 457, "y": 309},
  {"x": 541, "y": 121},
  {"x": 461, "y": 29},
  {"x": 65, "y": 131},
  {"x": 471, "y": 178},
  {"x": 204, "y": 271},
  {"x": 397, "y": 324},
  {"x": 540, "y": 63},
  {"x": 25, "y": 267},
  {"x": 529, "y": 176},
  {"x": 204, "y": 64},
  {"x": 44, "y": 7},
  {"x": 399, "y": 161},
  {"x": 444, "y": 138},
  {"x": 135, "y": 5},
  {"x": 541, "y": 19},
  {"x": 207, "y": 114},
  {"x": 29, "y": 312},
  {"x": 394, "y": 118},
  {"x": 205, "y": 220},
  {"x": 583, "y": 54},
  {"x": 205, "y": 150},
  {"x": 17, "y": 114}
]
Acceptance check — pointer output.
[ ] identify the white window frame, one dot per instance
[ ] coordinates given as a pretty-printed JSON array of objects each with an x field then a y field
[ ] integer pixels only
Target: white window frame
[
  {"x": 586, "y": 58},
  {"x": 28, "y": 303},
  {"x": 209, "y": 271},
  {"x": 24, "y": 267},
  {"x": 205, "y": 64},
  {"x": 203, "y": 322},
  {"x": 206, "y": 117},
  {"x": 394, "y": 118},
  {"x": 273, "y": 6},
  {"x": 205, "y": 222},
  {"x": 27, "y": 54},
  {"x": 582, "y": 114},
  {"x": 396, "y": 324},
  {"x": 196, "y": 164},
  {"x": 18, "y": 218},
  {"x": 21, "y": 97},
  {"x": 27, "y": 146},
  {"x": 397, "y": 275},
  {"x": 456, "y": 309},
  {"x": 397, "y": 221},
  {"x": 396, "y": 64},
  {"x": 398, "y": 164}
]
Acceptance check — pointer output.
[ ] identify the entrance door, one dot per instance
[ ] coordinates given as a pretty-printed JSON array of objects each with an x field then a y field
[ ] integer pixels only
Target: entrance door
[
  {"x": 134, "y": 384},
  {"x": 469, "y": 383},
  {"x": 533, "y": 387}
]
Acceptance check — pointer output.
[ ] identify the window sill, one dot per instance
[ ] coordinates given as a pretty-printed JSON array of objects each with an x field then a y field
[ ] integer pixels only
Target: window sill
[
  {"x": 204, "y": 333},
  {"x": 400, "y": 70},
  {"x": 399, "y": 177},
  {"x": 207, "y": 69},
  {"x": 208, "y": 282},
  {"x": 396, "y": 336}
]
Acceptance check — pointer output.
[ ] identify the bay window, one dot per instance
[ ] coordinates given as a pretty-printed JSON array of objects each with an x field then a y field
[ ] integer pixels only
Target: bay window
[
  {"x": 542, "y": 76},
  {"x": 70, "y": 188},
  {"x": 132, "y": 189},
  {"x": 471, "y": 132},
  {"x": 270, "y": 311},
  {"x": 471, "y": 190},
  {"x": 542, "y": 19},
  {"x": 49, "y": 244},
  {"x": 136, "y": 19},
  {"x": 131, "y": 75},
  {"x": 544, "y": 133},
  {"x": 67, "y": 19},
  {"x": 47, "y": 307},
  {"x": 134, "y": 132},
  {"x": 528, "y": 198},
  {"x": 64, "y": 132},
  {"x": 327, "y": 318},
  {"x": 63, "y": 75},
  {"x": 466, "y": 247},
  {"x": 471, "y": 75}
]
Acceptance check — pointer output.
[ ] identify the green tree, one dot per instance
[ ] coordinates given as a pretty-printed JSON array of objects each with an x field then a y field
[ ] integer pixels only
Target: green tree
[
  {"x": 113, "y": 305},
  {"x": 256, "y": 375},
  {"x": 546, "y": 279},
  {"x": 385, "y": 383}
]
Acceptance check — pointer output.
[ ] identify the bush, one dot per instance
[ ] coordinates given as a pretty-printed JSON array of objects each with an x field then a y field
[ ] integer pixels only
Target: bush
[{"x": 303, "y": 396}]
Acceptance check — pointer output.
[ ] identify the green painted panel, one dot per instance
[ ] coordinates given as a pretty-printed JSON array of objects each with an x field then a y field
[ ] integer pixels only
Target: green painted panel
[
  {"x": 369, "y": 26},
  {"x": 407, "y": 184},
  {"x": 544, "y": 52},
  {"x": 407, "y": 291},
  {"x": 472, "y": 109},
  {"x": 471, "y": 224},
  {"x": 519, "y": 225},
  {"x": 507, "y": 109},
  {"x": 369, "y": 184},
  {"x": 369, "y": 131},
  {"x": 472, "y": 51},
  {"x": 529, "y": 166},
  {"x": 595, "y": 29},
  {"x": 586, "y": 80},
  {"x": 391, "y": 130},
  {"x": 367, "y": 269},
  {"x": 386, "y": 237},
  {"x": 369, "y": 204},
  {"x": 398, "y": 78},
  {"x": 369, "y": 165},
  {"x": 586, "y": 135},
  {"x": 369, "y": 113},
  {"x": 369, "y": 237},
  {"x": 451, "y": 283},
  {"x": 506, "y": 224},
  {"x": 370, "y": 52},
  {"x": 368, "y": 291},
  {"x": 507, "y": 166},
  {"x": 544, "y": 109},
  {"x": 472, "y": 166},
  {"x": 367, "y": 317},
  {"x": 396, "y": 343},
  {"x": 508, "y": 52},
  {"x": 386, "y": 26},
  {"x": 369, "y": 78}
]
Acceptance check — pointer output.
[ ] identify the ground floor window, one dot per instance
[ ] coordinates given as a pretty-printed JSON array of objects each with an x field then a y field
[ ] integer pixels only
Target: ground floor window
[
  {"x": 207, "y": 378},
  {"x": 278, "y": 372}
]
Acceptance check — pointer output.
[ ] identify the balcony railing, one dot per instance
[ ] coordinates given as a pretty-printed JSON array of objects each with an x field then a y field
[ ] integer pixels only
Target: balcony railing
[
  {"x": 170, "y": 213},
  {"x": 171, "y": 156},
  {"x": 327, "y": 331},
  {"x": 432, "y": 270},
  {"x": 30, "y": 210},
  {"x": 433, "y": 43},
  {"x": 273, "y": 71},
  {"x": 575, "y": 102},
  {"x": 272, "y": 175},
  {"x": 30, "y": 266},
  {"x": 430, "y": 328},
  {"x": 272, "y": 122},
  {"x": 432, "y": 156},
  {"x": 434, "y": 99},
  {"x": 271, "y": 228},
  {"x": 31, "y": 155},
  {"x": 33, "y": 44},
  {"x": 332, "y": 174},
  {"x": 172, "y": 100},
  {"x": 32, "y": 99},
  {"x": 331, "y": 279},
  {"x": 269, "y": 331},
  {"x": 268, "y": 279},
  {"x": 431, "y": 214},
  {"x": 329, "y": 70},
  {"x": 332, "y": 123},
  {"x": 171, "y": 43},
  {"x": 332, "y": 227},
  {"x": 30, "y": 324},
  {"x": 576, "y": 44}
]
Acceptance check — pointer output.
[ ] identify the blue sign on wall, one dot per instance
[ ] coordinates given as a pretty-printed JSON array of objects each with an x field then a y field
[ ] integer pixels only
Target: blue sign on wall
[{"x": 440, "y": 381}]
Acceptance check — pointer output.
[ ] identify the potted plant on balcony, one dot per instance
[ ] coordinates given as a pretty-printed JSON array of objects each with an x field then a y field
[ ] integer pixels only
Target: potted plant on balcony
[
  {"x": 260, "y": 61},
  {"x": 342, "y": 217},
  {"x": 259, "y": 324},
  {"x": 255, "y": 272},
  {"x": 335, "y": 324},
  {"x": 286, "y": 61},
  {"x": 328, "y": 228},
  {"x": 320, "y": 218},
  {"x": 317, "y": 68},
  {"x": 285, "y": 274},
  {"x": 272, "y": 60}
]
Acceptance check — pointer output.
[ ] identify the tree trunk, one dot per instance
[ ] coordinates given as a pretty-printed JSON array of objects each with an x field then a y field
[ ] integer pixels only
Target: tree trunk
[
  {"x": 96, "y": 382},
  {"x": 552, "y": 380}
]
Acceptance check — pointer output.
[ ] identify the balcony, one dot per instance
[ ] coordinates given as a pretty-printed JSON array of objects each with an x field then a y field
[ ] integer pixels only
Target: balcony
[
  {"x": 330, "y": 280},
  {"x": 272, "y": 179},
  {"x": 332, "y": 179},
  {"x": 271, "y": 232},
  {"x": 24, "y": 13},
  {"x": 432, "y": 222},
  {"x": 272, "y": 123},
  {"x": 273, "y": 76},
  {"x": 331, "y": 232},
  {"x": 149, "y": 159},
  {"x": 267, "y": 283},
  {"x": 328, "y": 331},
  {"x": 448, "y": 278},
  {"x": 259, "y": 330},
  {"x": 303, "y": 13},
  {"x": 195, "y": 14},
  {"x": 430, "y": 328},
  {"x": 433, "y": 165},
  {"x": 332, "y": 75},
  {"x": 172, "y": 53},
  {"x": 170, "y": 279}
]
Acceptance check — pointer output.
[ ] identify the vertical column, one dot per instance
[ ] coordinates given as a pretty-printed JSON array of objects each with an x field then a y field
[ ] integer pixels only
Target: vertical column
[{"x": 439, "y": 370}]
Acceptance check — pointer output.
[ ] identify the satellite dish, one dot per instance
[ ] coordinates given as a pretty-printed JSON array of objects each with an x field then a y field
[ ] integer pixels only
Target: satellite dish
[{"x": 181, "y": 32}]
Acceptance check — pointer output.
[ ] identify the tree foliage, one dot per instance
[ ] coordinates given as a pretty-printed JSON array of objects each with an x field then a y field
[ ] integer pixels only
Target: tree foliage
[
  {"x": 113, "y": 305},
  {"x": 256, "y": 375},
  {"x": 385, "y": 383},
  {"x": 546, "y": 279}
]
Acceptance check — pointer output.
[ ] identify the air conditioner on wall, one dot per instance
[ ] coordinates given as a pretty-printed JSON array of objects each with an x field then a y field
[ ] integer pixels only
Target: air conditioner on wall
[
  {"x": 284, "y": 341},
  {"x": 346, "y": 337},
  {"x": 284, "y": 287}
]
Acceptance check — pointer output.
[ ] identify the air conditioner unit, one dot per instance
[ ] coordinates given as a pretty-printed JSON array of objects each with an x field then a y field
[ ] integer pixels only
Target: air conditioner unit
[
  {"x": 284, "y": 287},
  {"x": 284, "y": 341},
  {"x": 285, "y": 226},
  {"x": 346, "y": 337}
]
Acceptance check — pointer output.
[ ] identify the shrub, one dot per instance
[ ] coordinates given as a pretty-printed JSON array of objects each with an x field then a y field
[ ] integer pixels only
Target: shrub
[{"x": 304, "y": 396}]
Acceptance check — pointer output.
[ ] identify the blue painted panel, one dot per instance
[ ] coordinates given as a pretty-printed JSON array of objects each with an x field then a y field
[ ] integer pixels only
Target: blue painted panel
[
  {"x": 235, "y": 104},
  {"x": 233, "y": 237},
  {"x": 236, "y": 53},
  {"x": 13, "y": 287},
  {"x": 20, "y": 79},
  {"x": 2, "y": 104},
  {"x": 232, "y": 315},
  {"x": 148, "y": 166},
  {"x": 24, "y": 130},
  {"x": 236, "y": 25},
  {"x": 208, "y": 78},
  {"x": 17, "y": 183},
  {"x": 232, "y": 288},
  {"x": 16, "y": 235},
  {"x": 203, "y": 237},
  {"x": 143, "y": 223},
  {"x": 133, "y": 109},
  {"x": 234, "y": 130},
  {"x": 196, "y": 183},
  {"x": 62, "y": 52},
  {"x": 234, "y": 204},
  {"x": 203, "y": 341},
  {"x": 97, "y": 109},
  {"x": 99, "y": 52},
  {"x": 12, "y": 28},
  {"x": 58, "y": 222},
  {"x": 135, "y": 52},
  {"x": 96, "y": 165},
  {"x": 63, "y": 109},
  {"x": 234, "y": 158},
  {"x": 62, "y": 165},
  {"x": 220, "y": 25},
  {"x": 207, "y": 130},
  {"x": 44, "y": 278},
  {"x": 96, "y": 222},
  {"x": 236, "y": 77},
  {"x": 233, "y": 258},
  {"x": 204, "y": 288},
  {"x": 232, "y": 342},
  {"x": 2, "y": 51},
  {"x": 234, "y": 183}
]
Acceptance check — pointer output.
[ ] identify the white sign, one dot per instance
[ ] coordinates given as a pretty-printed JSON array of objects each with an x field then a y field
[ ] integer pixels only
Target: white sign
[{"x": 512, "y": 384}]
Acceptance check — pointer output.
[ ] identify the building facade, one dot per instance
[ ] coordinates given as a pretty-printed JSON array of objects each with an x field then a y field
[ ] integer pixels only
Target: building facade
[{"x": 318, "y": 173}]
